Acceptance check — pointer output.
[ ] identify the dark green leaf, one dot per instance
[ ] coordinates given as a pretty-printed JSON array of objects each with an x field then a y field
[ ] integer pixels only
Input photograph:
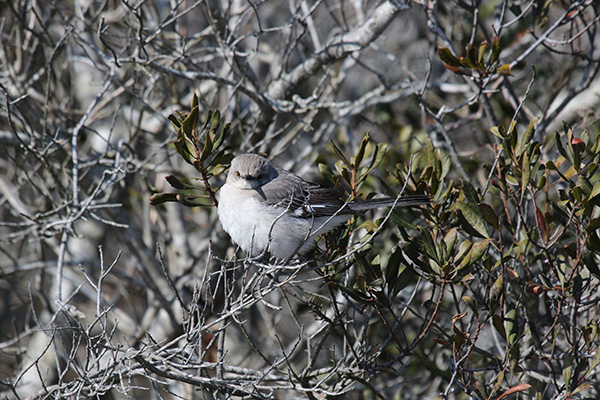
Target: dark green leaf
[
  {"x": 221, "y": 136},
  {"x": 471, "y": 57},
  {"x": 190, "y": 123},
  {"x": 159, "y": 198},
  {"x": 362, "y": 151},
  {"x": 208, "y": 145},
  {"x": 489, "y": 215},
  {"x": 429, "y": 245},
  {"x": 470, "y": 193},
  {"x": 560, "y": 147},
  {"x": 354, "y": 294},
  {"x": 525, "y": 174},
  {"x": 526, "y": 139},
  {"x": 405, "y": 277},
  {"x": 177, "y": 184},
  {"x": 567, "y": 371},
  {"x": 380, "y": 151},
  {"x": 496, "y": 49},
  {"x": 447, "y": 57},
  {"x": 340, "y": 155},
  {"x": 215, "y": 121},
  {"x": 499, "y": 325},
  {"x": 175, "y": 121}
]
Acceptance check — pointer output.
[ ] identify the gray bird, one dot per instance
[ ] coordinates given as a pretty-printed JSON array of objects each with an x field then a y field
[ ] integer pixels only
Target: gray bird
[{"x": 265, "y": 208}]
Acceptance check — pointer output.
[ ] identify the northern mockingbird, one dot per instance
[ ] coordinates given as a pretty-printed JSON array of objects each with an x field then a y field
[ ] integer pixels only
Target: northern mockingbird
[{"x": 265, "y": 208}]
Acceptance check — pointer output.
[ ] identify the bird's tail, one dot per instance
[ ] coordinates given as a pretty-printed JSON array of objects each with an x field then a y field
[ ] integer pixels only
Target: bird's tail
[{"x": 405, "y": 201}]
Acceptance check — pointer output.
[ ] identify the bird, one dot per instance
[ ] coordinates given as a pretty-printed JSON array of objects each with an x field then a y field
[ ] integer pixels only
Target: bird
[{"x": 267, "y": 209}]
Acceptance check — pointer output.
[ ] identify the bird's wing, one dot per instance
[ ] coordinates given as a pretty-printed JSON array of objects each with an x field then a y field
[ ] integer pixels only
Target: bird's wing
[{"x": 301, "y": 198}]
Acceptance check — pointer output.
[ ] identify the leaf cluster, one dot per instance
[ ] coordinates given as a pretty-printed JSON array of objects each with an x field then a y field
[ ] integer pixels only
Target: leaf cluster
[
  {"x": 202, "y": 147},
  {"x": 481, "y": 60}
]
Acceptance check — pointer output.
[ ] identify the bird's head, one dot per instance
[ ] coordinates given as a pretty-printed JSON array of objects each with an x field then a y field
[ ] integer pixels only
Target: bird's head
[{"x": 250, "y": 171}]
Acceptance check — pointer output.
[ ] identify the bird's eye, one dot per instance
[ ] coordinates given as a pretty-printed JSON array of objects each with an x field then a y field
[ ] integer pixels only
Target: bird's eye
[{"x": 237, "y": 174}]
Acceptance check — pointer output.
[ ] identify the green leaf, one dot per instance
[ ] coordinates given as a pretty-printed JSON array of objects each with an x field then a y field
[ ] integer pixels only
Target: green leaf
[
  {"x": 586, "y": 186},
  {"x": 525, "y": 174},
  {"x": 473, "y": 217},
  {"x": 159, "y": 198},
  {"x": 369, "y": 225},
  {"x": 479, "y": 249},
  {"x": 175, "y": 121},
  {"x": 393, "y": 264},
  {"x": 496, "y": 294},
  {"x": 595, "y": 146},
  {"x": 499, "y": 379},
  {"x": 567, "y": 371},
  {"x": 482, "y": 385},
  {"x": 447, "y": 57},
  {"x": 222, "y": 157},
  {"x": 593, "y": 242},
  {"x": 429, "y": 244},
  {"x": 190, "y": 123},
  {"x": 195, "y": 201},
  {"x": 428, "y": 153},
  {"x": 463, "y": 249},
  {"x": 511, "y": 180},
  {"x": 499, "y": 325},
  {"x": 504, "y": 70},
  {"x": 591, "y": 265},
  {"x": 496, "y": 49},
  {"x": 362, "y": 152},
  {"x": 470, "y": 192},
  {"x": 185, "y": 147},
  {"x": 354, "y": 294},
  {"x": 450, "y": 239},
  {"x": 328, "y": 174},
  {"x": 221, "y": 136},
  {"x": 559, "y": 147},
  {"x": 177, "y": 184},
  {"x": 526, "y": 139},
  {"x": 341, "y": 168},
  {"x": 217, "y": 169},
  {"x": 577, "y": 147},
  {"x": 397, "y": 278},
  {"x": 472, "y": 56},
  {"x": 215, "y": 121},
  {"x": 401, "y": 222},
  {"x": 476, "y": 251},
  {"x": 380, "y": 151},
  {"x": 481, "y": 52},
  {"x": 340, "y": 155},
  {"x": 446, "y": 164},
  {"x": 489, "y": 215},
  {"x": 467, "y": 63},
  {"x": 414, "y": 253},
  {"x": 498, "y": 131},
  {"x": 511, "y": 325},
  {"x": 472, "y": 303},
  {"x": 405, "y": 277}
]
